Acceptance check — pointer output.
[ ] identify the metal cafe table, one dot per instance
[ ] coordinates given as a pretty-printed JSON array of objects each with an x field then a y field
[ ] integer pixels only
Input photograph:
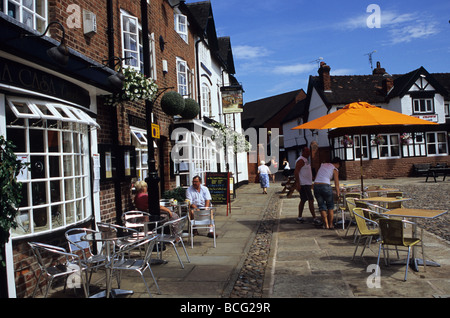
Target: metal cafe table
[
  {"x": 416, "y": 214},
  {"x": 109, "y": 238},
  {"x": 385, "y": 200}
]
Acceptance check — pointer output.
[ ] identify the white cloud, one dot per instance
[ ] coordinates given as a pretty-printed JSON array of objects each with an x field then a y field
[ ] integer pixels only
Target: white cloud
[
  {"x": 388, "y": 18},
  {"x": 294, "y": 69},
  {"x": 401, "y": 28},
  {"x": 247, "y": 52},
  {"x": 412, "y": 32},
  {"x": 342, "y": 71}
]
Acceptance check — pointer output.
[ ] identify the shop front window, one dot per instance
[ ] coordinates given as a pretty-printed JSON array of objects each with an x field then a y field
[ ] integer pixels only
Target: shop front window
[{"x": 53, "y": 138}]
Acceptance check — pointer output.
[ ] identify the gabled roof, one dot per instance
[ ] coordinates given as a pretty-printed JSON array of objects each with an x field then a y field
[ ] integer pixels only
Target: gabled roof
[
  {"x": 369, "y": 88},
  {"x": 299, "y": 110},
  {"x": 220, "y": 48},
  {"x": 444, "y": 80},
  {"x": 203, "y": 15},
  {"x": 258, "y": 112},
  {"x": 226, "y": 53},
  {"x": 403, "y": 83}
]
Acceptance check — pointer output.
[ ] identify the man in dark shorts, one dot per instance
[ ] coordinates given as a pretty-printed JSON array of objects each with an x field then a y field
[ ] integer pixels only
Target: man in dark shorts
[{"x": 303, "y": 183}]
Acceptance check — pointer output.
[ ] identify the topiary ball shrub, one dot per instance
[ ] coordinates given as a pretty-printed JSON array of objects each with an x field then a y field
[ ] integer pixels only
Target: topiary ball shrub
[
  {"x": 191, "y": 109},
  {"x": 172, "y": 103}
]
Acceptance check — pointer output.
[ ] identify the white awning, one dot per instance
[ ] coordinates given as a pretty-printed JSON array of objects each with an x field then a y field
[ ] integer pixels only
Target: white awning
[{"x": 35, "y": 109}]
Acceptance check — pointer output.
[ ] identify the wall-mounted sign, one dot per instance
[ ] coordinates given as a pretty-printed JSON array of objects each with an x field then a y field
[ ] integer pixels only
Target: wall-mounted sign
[
  {"x": 232, "y": 99},
  {"x": 155, "y": 131},
  {"x": 26, "y": 77}
]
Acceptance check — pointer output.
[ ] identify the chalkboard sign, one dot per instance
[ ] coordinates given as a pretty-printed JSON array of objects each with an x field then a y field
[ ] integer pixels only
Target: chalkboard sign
[{"x": 217, "y": 183}]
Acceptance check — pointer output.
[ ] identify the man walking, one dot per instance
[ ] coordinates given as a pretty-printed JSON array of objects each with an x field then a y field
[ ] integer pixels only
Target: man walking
[{"x": 303, "y": 183}]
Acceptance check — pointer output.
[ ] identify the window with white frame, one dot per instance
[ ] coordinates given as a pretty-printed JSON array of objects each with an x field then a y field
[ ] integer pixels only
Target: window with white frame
[
  {"x": 54, "y": 139},
  {"x": 365, "y": 146},
  {"x": 130, "y": 41},
  {"x": 203, "y": 154},
  {"x": 182, "y": 77},
  {"x": 447, "y": 109},
  {"x": 132, "y": 45},
  {"x": 414, "y": 146},
  {"x": 423, "y": 105},
  {"x": 437, "y": 143},
  {"x": 140, "y": 141},
  {"x": 33, "y": 13},
  {"x": 181, "y": 26},
  {"x": 389, "y": 145},
  {"x": 206, "y": 100}
]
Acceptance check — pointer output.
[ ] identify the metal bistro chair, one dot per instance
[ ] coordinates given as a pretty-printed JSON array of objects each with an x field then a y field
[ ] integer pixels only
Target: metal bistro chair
[
  {"x": 70, "y": 267},
  {"x": 392, "y": 233},
  {"x": 121, "y": 260},
  {"x": 350, "y": 202},
  {"x": 364, "y": 230},
  {"x": 89, "y": 259},
  {"x": 344, "y": 208},
  {"x": 203, "y": 219},
  {"x": 175, "y": 235}
]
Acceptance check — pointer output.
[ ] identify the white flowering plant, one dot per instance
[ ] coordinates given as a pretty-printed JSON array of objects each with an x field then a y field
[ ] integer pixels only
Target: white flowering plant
[
  {"x": 225, "y": 137},
  {"x": 136, "y": 86}
]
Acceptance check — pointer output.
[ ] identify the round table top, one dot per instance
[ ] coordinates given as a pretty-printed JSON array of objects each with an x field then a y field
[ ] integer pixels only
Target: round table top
[{"x": 105, "y": 236}]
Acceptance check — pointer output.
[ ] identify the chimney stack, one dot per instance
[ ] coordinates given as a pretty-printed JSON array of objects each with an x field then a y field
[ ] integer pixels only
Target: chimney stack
[
  {"x": 388, "y": 83},
  {"x": 324, "y": 75},
  {"x": 379, "y": 70}
]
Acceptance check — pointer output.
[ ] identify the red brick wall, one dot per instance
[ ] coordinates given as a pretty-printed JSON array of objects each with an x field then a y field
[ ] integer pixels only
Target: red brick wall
[
  {"x": 161, "y": 22},
  {"x": 386, "y": 168}
]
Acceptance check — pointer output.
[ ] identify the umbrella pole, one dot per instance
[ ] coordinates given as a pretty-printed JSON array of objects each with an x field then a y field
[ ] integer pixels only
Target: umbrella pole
[{"x": 361, "y": 164}]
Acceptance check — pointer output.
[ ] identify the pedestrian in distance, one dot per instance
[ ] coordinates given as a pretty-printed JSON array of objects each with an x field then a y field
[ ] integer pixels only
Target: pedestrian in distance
[
  {"x": 286, "y": 169},
  {"x": 273, "y": 167},
  {"x": 303, "y": 183},
  {"x": 263, "y": 172},
  {"x": 323, "y": 191}
]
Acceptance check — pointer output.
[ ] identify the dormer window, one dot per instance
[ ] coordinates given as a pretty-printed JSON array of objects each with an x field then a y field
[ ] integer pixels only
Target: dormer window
[{"x": 423, "y": 106}]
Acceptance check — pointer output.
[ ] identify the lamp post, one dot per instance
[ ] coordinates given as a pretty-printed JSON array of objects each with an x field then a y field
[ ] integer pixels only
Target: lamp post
[{"x": 152, "y": 177}]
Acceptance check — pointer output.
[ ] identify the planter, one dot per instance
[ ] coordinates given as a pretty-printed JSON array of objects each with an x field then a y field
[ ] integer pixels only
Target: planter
[
  {"x": 191, "y": 109},
  {"x": 172, "y": 103}
]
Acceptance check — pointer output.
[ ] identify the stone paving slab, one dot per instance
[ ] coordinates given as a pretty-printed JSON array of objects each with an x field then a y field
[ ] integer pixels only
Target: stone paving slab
[{"x": 302, "y": 261}]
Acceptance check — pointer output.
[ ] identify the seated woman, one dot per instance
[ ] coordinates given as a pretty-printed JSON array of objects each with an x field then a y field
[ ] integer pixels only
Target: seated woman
[{"x": 141, "y": 201}]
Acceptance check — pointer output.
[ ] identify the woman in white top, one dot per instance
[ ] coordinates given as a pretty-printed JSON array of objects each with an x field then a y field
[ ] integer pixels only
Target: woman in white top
[
  {"x": 323, "y": 191},
  {"x": 264, "y": 172}
]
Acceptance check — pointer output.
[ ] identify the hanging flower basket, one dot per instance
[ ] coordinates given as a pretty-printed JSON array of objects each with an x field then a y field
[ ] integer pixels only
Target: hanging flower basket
[
  {"x": 225, "y": 137},
  {"x": 172, "y": 103},
  {"x": 347, "y": 141},
  {"x": 135, "y": 87},
  {"x": 405, "y": 138},
  {"x": 379, "y": 140}
]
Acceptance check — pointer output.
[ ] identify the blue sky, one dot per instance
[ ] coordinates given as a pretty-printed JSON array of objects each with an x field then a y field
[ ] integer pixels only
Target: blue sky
[{"x": 276, "y": 43}]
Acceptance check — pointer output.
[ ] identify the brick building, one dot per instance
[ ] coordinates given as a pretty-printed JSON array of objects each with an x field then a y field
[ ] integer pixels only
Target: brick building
[{"x": 55, "y": 109}]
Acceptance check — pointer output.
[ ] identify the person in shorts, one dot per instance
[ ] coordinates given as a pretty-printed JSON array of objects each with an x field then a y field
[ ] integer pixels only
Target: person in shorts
[
  {"x": 323, "y": 191},
  {"x": 303, "y": 184}
]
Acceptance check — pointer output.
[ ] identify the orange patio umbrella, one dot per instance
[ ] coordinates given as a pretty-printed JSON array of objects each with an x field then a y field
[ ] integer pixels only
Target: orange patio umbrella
[{"x": 362, "y": 114}]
